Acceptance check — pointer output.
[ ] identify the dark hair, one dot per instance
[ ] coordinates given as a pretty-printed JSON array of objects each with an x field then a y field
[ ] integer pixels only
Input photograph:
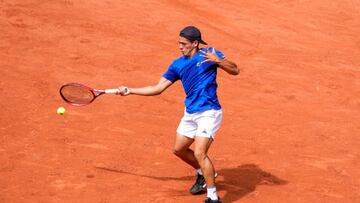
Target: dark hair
[{"x": 192, "y": 33}]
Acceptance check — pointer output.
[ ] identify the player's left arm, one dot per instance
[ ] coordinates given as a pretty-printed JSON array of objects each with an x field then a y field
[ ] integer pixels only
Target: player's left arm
[
  {"x": 225, "y": 64},
  {"x": 228, "y": 66}
]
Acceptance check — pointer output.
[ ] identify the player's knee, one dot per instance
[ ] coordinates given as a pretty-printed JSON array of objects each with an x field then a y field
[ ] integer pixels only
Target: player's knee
[{"x": 200, "y": 155}]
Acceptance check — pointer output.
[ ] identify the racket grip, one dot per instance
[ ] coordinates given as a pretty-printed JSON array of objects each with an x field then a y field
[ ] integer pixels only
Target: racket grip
[{"x": 111, "y": 91}]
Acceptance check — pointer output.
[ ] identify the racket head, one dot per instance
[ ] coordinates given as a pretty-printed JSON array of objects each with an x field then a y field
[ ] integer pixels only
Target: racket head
[{"x": 78, "y": 94}]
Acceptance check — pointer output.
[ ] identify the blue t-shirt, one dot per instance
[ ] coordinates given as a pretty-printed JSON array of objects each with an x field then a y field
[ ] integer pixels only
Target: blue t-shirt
[{"x": 198, "y": 79}]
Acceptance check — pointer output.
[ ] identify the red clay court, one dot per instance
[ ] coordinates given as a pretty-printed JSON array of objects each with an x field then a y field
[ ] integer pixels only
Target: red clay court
[{"x": 291, "y": 128}]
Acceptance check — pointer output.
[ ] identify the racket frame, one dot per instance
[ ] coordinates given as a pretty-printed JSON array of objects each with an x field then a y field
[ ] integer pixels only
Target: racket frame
[{"x": 94, "y": 92}]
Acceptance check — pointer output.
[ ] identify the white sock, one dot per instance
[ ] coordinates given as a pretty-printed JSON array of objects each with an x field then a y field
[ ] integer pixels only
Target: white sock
[
  {"x": 199, "y": 171},
  {"x": 211, "y": 193}
]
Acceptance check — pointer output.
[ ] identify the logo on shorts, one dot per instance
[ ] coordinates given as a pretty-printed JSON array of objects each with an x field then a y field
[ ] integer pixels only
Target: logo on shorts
[
  {"x": 198, "y": 64},
  {"x": 204, "y": 131}
]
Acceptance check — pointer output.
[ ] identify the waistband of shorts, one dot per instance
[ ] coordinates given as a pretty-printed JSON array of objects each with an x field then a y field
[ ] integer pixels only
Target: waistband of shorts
[{"x": 216, "y": 110}]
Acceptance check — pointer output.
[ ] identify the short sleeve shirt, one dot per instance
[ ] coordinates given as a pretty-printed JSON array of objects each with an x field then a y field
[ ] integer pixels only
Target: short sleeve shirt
[{"x": 198, "y": 80}]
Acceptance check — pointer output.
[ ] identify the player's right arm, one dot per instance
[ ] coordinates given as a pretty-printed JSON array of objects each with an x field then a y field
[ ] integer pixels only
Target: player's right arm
[{"x": 152, "y": 90}]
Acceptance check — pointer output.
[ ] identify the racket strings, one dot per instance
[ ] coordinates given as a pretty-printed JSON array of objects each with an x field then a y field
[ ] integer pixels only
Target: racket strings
[{"x": 77, "y": 94}]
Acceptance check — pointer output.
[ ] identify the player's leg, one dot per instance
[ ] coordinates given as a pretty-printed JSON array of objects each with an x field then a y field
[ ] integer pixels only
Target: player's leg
[
  {"x": 208, "y": 124},
  {"x": 182, "y": 150},
  {"x": 185, "y": 137},
  {"x": 202, "y": 145}
]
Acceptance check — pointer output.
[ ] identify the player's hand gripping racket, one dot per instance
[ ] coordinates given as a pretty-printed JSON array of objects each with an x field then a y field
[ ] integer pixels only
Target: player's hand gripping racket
[{"x": 80, "y": 95}]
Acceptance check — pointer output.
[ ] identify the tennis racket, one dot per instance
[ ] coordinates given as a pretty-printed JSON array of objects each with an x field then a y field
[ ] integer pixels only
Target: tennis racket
[{"x": 80, "y": 95}]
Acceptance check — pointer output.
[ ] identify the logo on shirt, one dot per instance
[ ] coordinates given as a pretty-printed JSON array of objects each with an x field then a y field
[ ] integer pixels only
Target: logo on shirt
[{"x": 198, "y": 64}]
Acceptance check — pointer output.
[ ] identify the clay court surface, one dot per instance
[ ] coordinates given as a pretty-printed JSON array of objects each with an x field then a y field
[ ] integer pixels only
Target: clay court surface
[{"x": 291, "y": 128}]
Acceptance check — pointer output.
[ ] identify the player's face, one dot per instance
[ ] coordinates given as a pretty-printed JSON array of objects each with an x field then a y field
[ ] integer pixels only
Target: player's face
[{"x": 186, "y": 47}]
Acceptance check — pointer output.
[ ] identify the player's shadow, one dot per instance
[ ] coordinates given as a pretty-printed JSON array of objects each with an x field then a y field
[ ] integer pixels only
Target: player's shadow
[
  {"x": 243, "y": 179},
  {"x": 236, "y": 182},
  {"x": 162, "y": 178}
]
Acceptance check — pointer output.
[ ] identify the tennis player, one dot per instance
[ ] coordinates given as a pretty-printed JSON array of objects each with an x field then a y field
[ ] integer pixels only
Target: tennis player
[{"x": 197, "y": 70}]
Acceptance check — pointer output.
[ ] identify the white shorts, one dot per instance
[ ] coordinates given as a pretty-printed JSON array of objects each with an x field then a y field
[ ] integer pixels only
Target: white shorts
[{"x": 202, "y": 124}]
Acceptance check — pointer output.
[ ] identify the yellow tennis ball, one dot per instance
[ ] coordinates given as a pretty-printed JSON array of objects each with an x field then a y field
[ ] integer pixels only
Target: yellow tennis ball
[{"x": 61, "y": 111}]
